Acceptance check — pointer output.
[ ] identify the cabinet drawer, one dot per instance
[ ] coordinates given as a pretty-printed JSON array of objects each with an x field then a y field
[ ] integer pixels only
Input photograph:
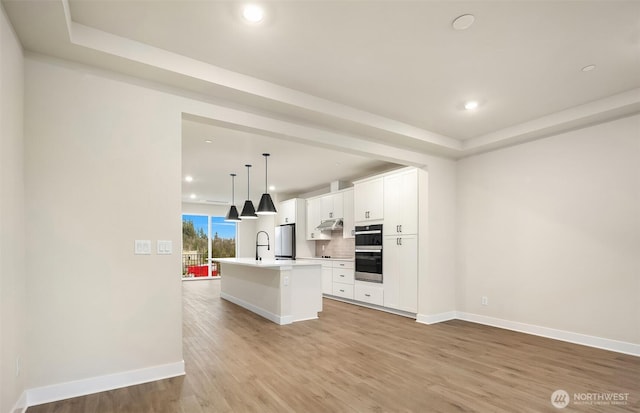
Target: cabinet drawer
[
  {"x": 372, "y": 294},
  {"x": 342, "y": 275},
  {"x": 343, "y": 290},
  {"x": 343, "y": 264}
]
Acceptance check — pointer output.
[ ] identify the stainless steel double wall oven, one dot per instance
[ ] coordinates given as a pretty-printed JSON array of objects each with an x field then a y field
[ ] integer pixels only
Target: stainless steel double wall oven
[{"x": 369, "y": 253}]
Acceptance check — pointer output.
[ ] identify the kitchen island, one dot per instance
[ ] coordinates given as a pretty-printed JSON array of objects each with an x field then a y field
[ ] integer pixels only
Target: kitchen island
[{"x": 283, "y": 291}]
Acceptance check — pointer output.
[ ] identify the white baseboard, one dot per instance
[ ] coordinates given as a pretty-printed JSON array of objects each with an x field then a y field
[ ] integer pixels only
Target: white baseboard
[
  {"x": 436, "y": 318},
  {"x": 56, "y": 392},
  {"x": 260, "y": 311},
  {"x": 568, "y": 336},
  {"x": 21, "y": 404}
]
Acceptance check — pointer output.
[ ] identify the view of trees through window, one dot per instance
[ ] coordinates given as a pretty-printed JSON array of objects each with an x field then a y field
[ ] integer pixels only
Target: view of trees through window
[{"x": 205, "y": 237}]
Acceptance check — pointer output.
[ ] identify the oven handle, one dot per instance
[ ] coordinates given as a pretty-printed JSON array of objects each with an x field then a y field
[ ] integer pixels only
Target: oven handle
[
  {"x": 371, "y": 250},
  {"x": 377, "y": 231}
]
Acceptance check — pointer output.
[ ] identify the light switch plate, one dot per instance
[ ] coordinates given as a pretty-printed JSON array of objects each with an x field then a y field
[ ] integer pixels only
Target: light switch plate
[
  {"x": 165, "y": 247},
  {"x": 142, "y": 247}
]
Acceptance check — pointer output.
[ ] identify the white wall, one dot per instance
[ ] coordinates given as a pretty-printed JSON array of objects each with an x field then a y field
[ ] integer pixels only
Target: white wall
[
  {"x": 12, "y": 219},
  {"x": 102, "y": 170},
  {"x": 549, "y": 232}
]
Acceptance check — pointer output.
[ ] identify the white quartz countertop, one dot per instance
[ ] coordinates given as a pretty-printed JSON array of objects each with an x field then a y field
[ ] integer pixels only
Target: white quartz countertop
[{"x": 269, "y": 263}]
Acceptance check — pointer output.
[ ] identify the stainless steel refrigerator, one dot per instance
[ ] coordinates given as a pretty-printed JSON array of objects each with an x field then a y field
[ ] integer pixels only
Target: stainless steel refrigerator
[{"x": 286, "y": 242}]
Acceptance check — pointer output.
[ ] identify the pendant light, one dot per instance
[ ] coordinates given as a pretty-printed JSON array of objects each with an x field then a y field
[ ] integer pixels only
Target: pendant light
[
  {"x": 232, "y": 215},
  {"x": 248, "y": 210},
  {"x": 266, "y": 207}
]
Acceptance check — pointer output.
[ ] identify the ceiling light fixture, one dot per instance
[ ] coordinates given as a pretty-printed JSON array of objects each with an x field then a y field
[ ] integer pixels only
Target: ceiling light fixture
[
  {"x": 471, "y": 105},
  {"x": 248, "y": 210},
  {"x": 588, "y": 68},
  {"x": 266, "y": 207},
  {"x": 188, "y": 178},
  {"x": 208, "y": 141},
  {"x": 463, "y": 22},
  {"x": 232, "y": 215},
  {"x": 253, "y": 13}
]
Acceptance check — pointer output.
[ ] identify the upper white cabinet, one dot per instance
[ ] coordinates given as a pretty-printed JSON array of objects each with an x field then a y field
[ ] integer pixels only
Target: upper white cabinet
[
  {"x": 348, "y": 222},
  {"x": 400, "y": 272},
  {"x": 401, "y": 203},
  {"x": 287, "y": 212},
  {"x": 332, "y": 206},
  {"x": 368, "y": 200},
  {"x": 314, "y": 211}
]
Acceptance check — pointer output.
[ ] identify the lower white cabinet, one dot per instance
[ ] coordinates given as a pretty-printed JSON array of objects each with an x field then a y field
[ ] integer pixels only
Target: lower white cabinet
[
  {"x": 343, "y": 290},
  {"x": 400, "y": 272},
  {"x": 369, "y": 292},
  {"x": 327, "y": 277}
]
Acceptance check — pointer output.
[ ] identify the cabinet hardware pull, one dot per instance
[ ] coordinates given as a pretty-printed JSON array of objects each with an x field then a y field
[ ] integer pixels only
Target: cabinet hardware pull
[
  {"x": 341, "y": 291},
  {"x": 367, "y": 295},
  {"x": 399, "y": 241},
  {"x": 342, "y": 275},
  {"x": 400, "y": 226}
]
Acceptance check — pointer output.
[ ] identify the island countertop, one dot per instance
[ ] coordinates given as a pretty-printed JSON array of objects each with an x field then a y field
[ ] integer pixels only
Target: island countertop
[{"x": 268, "y": 263}]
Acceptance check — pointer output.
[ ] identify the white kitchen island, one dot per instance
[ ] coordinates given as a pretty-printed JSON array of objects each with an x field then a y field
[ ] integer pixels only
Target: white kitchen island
[{"x": 283, "y": 291}]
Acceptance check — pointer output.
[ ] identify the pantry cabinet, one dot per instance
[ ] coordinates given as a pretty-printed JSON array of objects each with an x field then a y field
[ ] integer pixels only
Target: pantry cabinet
[
  {"x": 400, "y": 272},
  {"x": 401, "y": 203},
  {"x": 368, "y": 200}
]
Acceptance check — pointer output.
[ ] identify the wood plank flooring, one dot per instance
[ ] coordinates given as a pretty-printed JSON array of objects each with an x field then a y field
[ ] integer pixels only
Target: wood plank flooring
[{"x": 358, "y": 360}]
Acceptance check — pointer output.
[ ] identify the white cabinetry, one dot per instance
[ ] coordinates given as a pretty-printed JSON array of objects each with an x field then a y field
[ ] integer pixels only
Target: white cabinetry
[
  {"x": 400, "y": 272},
  {"x": 368, "y": 200},
  {"x": 343, "y": 277},
  {"x": 327, "y": 277},
  {"x": 401, "y": 203},
  {"x": 331, "y": 206},
  {"x": 368, "y": 292},
  {"x": 348, "y": 222},
  {"x": 287, "y": 212},
  {"x": 314, "y": 206}
]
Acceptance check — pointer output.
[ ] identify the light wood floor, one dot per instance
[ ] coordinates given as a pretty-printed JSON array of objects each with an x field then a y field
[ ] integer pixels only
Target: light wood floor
[{"x": 358, "y": 360}]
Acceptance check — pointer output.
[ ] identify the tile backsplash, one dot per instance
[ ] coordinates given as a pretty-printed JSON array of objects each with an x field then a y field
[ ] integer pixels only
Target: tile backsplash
[{"x": 337, "y": 246}]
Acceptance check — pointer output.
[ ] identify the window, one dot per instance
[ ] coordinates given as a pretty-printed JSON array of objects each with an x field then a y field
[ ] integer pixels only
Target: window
[{"x": 205, "y": 237}]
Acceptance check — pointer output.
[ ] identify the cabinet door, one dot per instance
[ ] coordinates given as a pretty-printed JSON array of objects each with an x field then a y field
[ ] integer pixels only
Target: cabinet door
[
  {"x": 327, "y": 280},
  {"x": 338, "y": 205},
  {"x": 313, "y": 220},
  {"x": 400, "y": 272},
  {"x": 287, "y": 212},
  {"x": 326, "y": 207},
  {"x": 368, "y": 200},
  {"x": 401, "y": 203},
  {"x": 348, "y": 224}
]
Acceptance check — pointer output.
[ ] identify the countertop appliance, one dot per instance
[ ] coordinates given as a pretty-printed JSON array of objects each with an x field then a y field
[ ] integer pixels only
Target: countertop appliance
[
  {"x": 285, "y": 242},
  {"x": 369, "y": 253}
]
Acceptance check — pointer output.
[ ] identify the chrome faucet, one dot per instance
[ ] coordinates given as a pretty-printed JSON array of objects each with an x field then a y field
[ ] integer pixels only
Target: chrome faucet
[{"x": 262, "y": 245}]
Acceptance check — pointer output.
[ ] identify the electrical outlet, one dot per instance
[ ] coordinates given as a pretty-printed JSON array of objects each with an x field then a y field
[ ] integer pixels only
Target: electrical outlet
[
  {"x": 286, "y": 281},
  {"x": 485, "y": 300}
]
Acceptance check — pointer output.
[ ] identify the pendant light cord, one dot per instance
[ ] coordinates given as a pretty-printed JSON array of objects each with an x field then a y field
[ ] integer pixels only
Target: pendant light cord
[{"x": 248, "y": 166}]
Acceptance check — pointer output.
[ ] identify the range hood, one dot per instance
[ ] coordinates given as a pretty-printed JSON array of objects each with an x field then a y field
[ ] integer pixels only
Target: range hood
[{"x": 330, "y": 225}]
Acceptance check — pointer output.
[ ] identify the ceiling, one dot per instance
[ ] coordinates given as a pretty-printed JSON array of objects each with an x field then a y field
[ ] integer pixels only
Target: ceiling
[{"x": 355, "y": 74}]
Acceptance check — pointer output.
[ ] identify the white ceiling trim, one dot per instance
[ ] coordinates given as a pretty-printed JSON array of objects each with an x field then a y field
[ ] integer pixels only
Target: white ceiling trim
[
  {"x": 101, "y": 41},
  {"x": 613, "y": 107}
]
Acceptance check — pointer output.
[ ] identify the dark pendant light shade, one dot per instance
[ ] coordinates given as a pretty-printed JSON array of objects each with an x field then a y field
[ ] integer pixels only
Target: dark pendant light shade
[
  {"x": 232, "y": 215},
  {"x": 266, "y": 207},
  {"x": 248, "y": 210}
]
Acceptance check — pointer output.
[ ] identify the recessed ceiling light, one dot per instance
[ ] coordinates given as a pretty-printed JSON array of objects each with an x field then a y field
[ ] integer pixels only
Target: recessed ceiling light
[
  {"x": 253, "y": 13},
  {"x": 463, "y": 22},
  {"x": 588, "y": 68},
  {"x": 188, "y": 178},
  {"x": 192, "y": 196},
  {"x": 471, "y": 105},
  {"x": 208, "y": 141}
]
